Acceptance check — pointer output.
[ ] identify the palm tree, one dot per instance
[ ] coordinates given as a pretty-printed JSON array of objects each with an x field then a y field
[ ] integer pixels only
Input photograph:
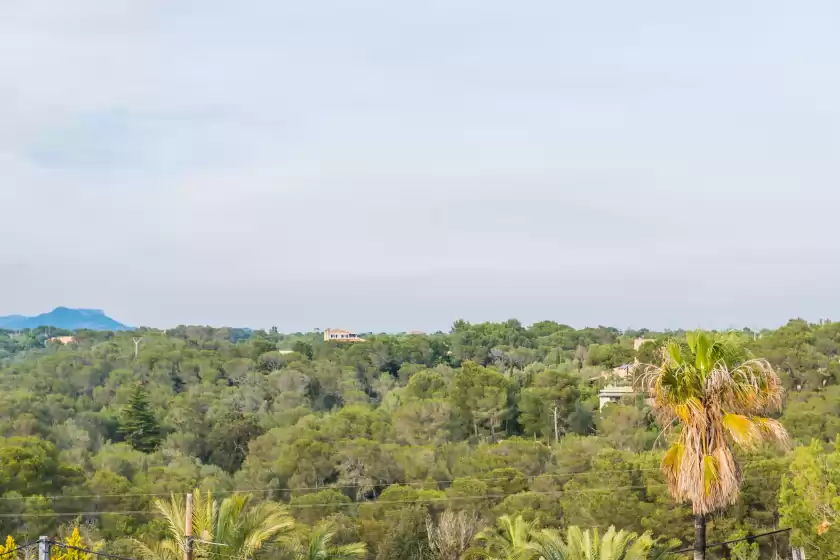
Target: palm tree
[
  {"x": 548, "y": 544},
  {"x": 509, "y": 540},
  {"x": 717, "y": 394},
  {"x": 318, "y": 546},
  {"x": 239, "y": 526}
]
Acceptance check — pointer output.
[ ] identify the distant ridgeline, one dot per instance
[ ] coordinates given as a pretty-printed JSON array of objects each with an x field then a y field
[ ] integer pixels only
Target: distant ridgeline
[{"x": 64, "y": 318}]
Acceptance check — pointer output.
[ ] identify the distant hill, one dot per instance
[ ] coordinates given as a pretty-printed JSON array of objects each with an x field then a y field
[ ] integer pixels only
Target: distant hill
[{"x": 64, "y": 318}]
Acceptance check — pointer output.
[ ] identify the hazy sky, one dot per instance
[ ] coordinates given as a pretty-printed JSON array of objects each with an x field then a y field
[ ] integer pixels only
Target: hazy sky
[{"x": 382, "y": 165}]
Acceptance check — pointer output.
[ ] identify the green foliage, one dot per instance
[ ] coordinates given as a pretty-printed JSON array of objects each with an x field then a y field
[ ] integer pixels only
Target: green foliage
[
  {"x": 74, "y": 542},
  {"x": 629, "y": 428},
  {"x": 810, "y": 501},
  {"x": 480, "y": 396},
  {"x": 138, "y": 423},
  {"x": 31, "y": 466},
  {"x": 402, "y": 535},
  {"x": 592, "y": 545},
  {"x": 510, "y": 539},
  {"x": 382, "y": 438},
  {"x": 743, "y": 550},
  {"x": 534, "y": 507},
  {"x": 239, "y": 525},
  {"x": 814, "y": 415},
  {"x": 310, "y": 508},
  {"x": 318, "y": 544},
  {"x": 610, "y": 356},
  {"x": 549, "y": 403},
  {"x": 610, "y": 493}
]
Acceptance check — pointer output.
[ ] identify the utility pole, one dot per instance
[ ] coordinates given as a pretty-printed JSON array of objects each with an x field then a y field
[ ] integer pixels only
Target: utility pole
[
  {"x": 188, "y": 529},
  {"x": 136, "y": 346},
  {"x": 556, "y": 435},
  {"x": 700, "y": 537},
  {"x": 43, "y": 548}
]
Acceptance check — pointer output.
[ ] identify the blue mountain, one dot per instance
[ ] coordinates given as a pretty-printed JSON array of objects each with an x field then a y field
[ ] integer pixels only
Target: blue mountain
[{"x": 64, "y": 318}]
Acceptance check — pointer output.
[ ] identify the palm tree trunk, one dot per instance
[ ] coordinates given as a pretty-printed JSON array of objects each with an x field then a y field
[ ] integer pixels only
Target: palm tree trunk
[{"x": 699, "y": 537}]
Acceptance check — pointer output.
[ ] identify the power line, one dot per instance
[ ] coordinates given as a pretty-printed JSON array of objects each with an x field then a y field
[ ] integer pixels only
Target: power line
[
  {"x": 439, "y": 482},
  {"x": 325, "y": 486},
  {"x": 88, "y": 551},
  {"x": 73, "y": 514},
  {"x": 211, "y": 553},
  {"x": 813, "y": 544},
  {"x": 299, "y": 488},
  {"x": 20, "y": 547},
  {"x": 558, "y": 493},
  {"x": 749, "y": 538}
]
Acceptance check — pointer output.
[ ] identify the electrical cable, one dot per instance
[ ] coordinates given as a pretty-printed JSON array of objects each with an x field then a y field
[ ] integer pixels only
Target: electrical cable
[
  {"x": 20, "y": 547},
  {"x": 558, "y": 493},
  {"x": 714, "y": 545},
  {"x": 316, "y": 488},
  {"x": 88, "y": 551}
]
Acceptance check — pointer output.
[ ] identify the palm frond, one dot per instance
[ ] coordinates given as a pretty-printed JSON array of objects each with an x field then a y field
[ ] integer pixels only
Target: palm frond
[
  {"x": 509, "y": 540},
  {"x": 267, "y": 521},
  {"x": 350, "y": 551},
  {"x": 591, "y": 545},
  {"x": 317, "y": 545},
  {"x": 163, "y": 550},
  {"x": 548, "y": 544},
  {"x": 174, "y": 513},
  {"x": 240, "y": 526},
  {"x": 742, "y": 430},
  {"x": 773, "y": 429},
  {"x": 717, "y": 394},
  {"x": 640, "y": 548},
  {"x": 229, "y": 521}
]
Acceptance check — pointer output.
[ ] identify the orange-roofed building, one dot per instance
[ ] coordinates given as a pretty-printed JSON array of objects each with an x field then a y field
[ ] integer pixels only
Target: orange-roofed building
[
  {"x": 341, "y": 336},
  {"x": 63, "y": 339}
]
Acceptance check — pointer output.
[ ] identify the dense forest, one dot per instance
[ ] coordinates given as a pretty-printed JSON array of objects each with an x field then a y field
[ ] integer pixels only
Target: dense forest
[{"x": 377, "y": 448}]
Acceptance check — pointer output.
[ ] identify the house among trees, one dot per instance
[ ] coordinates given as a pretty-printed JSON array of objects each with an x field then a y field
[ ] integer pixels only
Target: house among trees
[
  {"x": 614, "y": 394},
  {"x": 62, "y": 339},
  {"x": 623, "y": 372},
  {"x": 341, "y": 336}
]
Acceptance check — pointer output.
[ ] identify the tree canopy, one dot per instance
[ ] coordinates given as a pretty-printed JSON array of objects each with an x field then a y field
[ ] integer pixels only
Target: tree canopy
[{"x": 409, "y": 444}]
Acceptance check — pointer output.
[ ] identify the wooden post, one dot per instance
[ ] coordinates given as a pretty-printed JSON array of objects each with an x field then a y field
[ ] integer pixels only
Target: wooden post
[{"x": 188, "y": 529}]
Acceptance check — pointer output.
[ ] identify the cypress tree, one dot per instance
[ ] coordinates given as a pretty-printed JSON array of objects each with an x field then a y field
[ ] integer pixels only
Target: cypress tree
[{"x": 138, "y": 423}]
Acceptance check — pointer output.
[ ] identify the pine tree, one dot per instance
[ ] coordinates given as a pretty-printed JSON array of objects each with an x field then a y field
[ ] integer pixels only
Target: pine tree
[{"x": 138, "y": 424}]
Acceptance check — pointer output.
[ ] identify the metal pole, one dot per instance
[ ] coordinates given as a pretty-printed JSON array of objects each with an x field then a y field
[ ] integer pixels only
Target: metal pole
[
  {"x": 43, "y": 548},
  {"x": 188, "y": 529}
]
